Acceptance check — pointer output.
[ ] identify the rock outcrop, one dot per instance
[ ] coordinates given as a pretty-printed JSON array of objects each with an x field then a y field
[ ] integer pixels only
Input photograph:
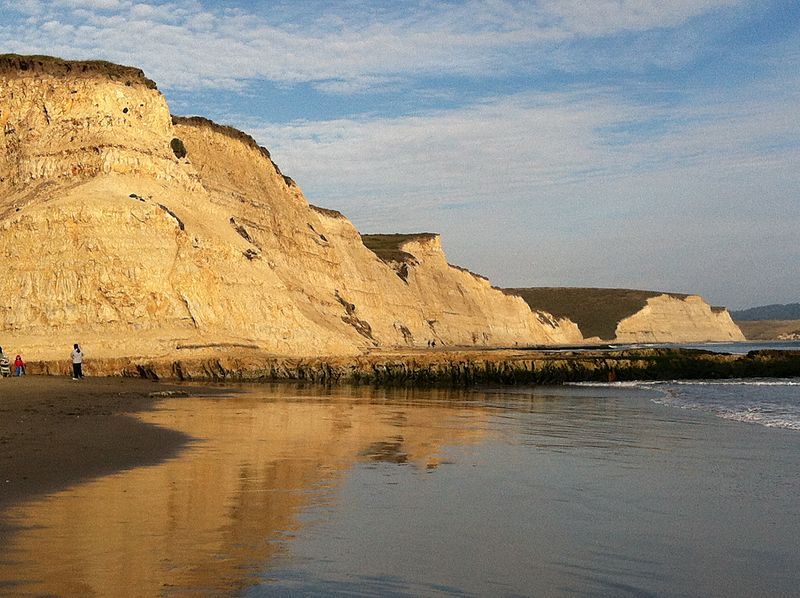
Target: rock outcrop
[
  {"x": 136, "y": 233},
  {"x": 668, "y": 319},
  {"x": 633, "y": 316}
]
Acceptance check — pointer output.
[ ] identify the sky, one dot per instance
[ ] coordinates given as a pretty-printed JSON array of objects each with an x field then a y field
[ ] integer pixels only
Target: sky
[{"x": 649, "y": 144}]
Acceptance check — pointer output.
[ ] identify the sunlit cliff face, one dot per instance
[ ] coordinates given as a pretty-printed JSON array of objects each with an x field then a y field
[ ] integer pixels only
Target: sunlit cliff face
[
  {"x": 117, "y": 220},
  {"x": 212, "y": 517},
  {"x": 666, "y": 318}
]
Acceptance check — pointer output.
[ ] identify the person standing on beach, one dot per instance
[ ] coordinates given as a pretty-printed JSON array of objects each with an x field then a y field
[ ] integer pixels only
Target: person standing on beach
[{"x": 77, "y": 362}]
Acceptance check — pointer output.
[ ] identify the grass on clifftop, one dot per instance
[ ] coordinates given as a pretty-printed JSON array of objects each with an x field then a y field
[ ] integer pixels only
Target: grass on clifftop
[
  {"x": 596, "y": 311},
  {"x": 233, "y": 133},
  {"x": 59, "y": 67},
  {"x": 387, "y": 247},
  {"x": 327, "y": 212}
]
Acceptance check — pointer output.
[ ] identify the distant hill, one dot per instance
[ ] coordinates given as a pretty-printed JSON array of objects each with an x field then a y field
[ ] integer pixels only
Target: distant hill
[
  {"x": 769, "y": 330},
  {"x": 790, "y": 311}
]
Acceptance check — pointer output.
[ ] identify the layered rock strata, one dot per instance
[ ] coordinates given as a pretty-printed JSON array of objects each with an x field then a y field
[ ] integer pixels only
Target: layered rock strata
[{"x": 138, "y": 234}]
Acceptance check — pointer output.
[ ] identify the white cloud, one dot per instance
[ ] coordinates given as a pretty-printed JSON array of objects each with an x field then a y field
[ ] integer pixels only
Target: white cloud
[
  {"x": 92, "y": 4},
  {"x": 527, "y": 141},
  {"x": 190, "y": 45},
  {"x": 606, "y": 17}
]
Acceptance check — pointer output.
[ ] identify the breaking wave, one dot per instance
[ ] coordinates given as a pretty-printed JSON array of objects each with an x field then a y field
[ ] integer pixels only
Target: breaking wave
[{"x": 773, "y": 403}]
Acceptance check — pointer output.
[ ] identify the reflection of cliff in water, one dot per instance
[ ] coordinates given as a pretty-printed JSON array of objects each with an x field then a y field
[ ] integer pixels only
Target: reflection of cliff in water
[{"x": 211, "y": 518}]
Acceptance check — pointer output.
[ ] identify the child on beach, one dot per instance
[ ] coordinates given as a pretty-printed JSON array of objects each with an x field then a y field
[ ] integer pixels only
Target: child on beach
[{"x": 19, "y": 365}]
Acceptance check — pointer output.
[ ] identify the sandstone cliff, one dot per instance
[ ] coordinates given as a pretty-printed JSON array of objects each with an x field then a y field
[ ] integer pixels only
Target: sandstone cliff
[
  {"x": 668, "y": 319},
  {"x": 138, "y": 234},
  {"x": 633, "y": 316}
]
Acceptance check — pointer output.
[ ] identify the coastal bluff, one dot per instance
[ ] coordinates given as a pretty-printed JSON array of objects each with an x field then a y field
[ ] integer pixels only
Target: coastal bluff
[
  {"x": 635, "y": 316},
  {"x": 138, "y": 233}
]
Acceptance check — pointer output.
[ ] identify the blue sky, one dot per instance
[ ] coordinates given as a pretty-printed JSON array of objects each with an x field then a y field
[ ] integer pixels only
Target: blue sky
[{"x": 633, "y": 143}]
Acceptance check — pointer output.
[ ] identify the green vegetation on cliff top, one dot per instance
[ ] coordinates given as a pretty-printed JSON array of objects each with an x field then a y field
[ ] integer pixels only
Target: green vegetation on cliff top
[
  {"x": 59, "y": 67},
  {"x": 768, "y": 330},
  {"x": 387, "y": 247}
]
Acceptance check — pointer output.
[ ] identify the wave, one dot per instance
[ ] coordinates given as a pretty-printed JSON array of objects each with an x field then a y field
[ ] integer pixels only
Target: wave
[
  {"x": 769, "y": 416},
  {"x": 631, "y": 384},
  {"x": 786, "y": 423},
  {"x": 734, "y": 382},
  {"x": 771, "y": 403},
  {"x": 652, "y": 383}
]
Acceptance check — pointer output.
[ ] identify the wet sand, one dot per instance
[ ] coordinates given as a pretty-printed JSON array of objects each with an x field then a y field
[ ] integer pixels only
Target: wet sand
[{"x": 55, "y": 432}]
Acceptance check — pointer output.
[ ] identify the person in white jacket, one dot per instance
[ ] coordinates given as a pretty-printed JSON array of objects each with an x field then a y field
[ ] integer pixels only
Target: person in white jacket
[{"x": 77, "y": 362}]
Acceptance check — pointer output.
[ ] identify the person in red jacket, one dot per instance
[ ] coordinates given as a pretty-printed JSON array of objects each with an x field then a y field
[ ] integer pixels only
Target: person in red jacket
[{"x": 19, "y": 365}]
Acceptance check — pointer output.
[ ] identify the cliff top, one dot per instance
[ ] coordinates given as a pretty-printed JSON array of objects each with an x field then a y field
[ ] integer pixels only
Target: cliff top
[
  {"x": 769, "y": 330},
  {"x": 387, "y": 247},
  {"x": 233, "y": 133},
  {"x": 58, "y": 67},
  {"x": 470, "y": 272},
  {"x": 327, "y": 212},
  {"x": 596, "y": 311}
]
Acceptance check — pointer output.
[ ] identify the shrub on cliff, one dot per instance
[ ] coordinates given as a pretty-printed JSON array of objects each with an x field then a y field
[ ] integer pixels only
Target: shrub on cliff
[{"x": 178, "y": 148}]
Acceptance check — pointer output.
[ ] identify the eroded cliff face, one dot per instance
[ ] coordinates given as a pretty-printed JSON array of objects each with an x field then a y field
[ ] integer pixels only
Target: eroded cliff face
[
  {"x": 135, "y": 235},
  {"x": 453, "y": 296},
  {"x": 321, "y": 259},
  {"x": 64, "y": 126},
  {"x": 668, "y": 319}
]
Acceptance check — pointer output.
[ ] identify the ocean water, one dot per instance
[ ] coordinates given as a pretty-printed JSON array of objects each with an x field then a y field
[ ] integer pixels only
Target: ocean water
[
  {"x": 738, "y": 348},
  {"x": 774, "y": 403},
  {"x": 611, "y": 490}
]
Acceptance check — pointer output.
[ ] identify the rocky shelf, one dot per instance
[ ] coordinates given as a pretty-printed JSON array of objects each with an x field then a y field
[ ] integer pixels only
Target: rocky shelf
[{"x": 465, "y": 368}]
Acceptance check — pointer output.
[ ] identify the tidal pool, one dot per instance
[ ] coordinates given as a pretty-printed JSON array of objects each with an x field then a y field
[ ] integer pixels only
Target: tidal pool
[{"x": 523, "y": 491}]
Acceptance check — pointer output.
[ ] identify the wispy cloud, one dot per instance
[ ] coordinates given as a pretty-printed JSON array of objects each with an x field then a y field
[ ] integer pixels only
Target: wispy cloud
[
  {"x": 608, "y": 17},
  {"x": 193, "y": 45},
  {"x": 530, "y": 141}
]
